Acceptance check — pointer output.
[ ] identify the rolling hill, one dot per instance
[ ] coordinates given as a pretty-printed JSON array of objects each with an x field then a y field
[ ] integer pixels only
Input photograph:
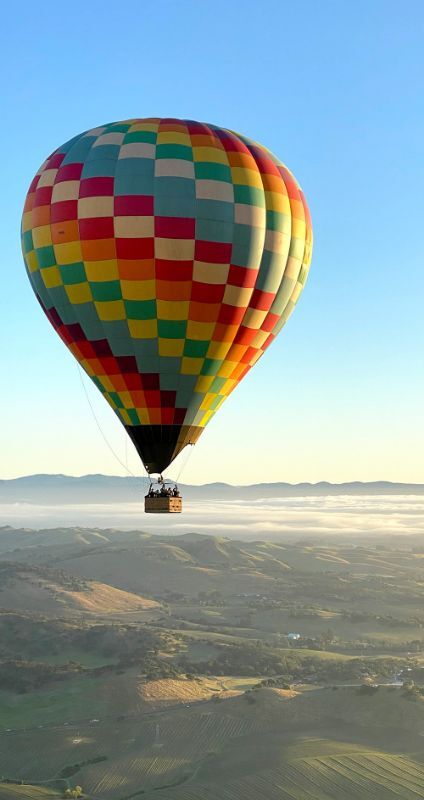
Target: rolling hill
[
  {"x": 54, "y": 593},
  {"x": 155, "y": 565},
  {"x": 199, "y": 693}
]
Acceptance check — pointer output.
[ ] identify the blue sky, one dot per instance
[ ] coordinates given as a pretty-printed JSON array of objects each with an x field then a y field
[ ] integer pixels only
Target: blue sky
[{"x": 335, "y": 90}]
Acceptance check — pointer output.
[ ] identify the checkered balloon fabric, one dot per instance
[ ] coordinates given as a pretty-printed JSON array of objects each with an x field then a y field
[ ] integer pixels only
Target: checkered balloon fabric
[{"x": 167, "y": 254}]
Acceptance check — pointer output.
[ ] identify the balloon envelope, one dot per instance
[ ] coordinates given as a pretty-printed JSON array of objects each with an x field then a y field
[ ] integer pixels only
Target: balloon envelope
[{"x": 167, "y": 254}]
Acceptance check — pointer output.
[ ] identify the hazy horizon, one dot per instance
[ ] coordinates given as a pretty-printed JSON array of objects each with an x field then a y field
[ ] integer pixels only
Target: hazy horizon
[{"x": 144, "y": 477}]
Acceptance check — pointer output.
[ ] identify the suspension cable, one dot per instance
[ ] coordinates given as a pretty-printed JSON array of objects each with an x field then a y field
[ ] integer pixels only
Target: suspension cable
[
  {"x": 109, "y": 446},
  {"x": 185, "y": 462},
  {"x": 107, "y": 443}
]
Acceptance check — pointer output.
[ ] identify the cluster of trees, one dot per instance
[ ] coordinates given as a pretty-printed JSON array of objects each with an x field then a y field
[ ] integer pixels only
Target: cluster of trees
[
  {"x": 75, "y": 792},
  {"x": 25, "y": 641},
  {"x": 411, "y": 691},
  {"x": 122, "y": 642},
  {"x": 10, "y": 570},
  {"x": 244, "y": 659},
  {"x": 26, "y": 676},
  {"x": 66, "y": 772},
  {"x": 368, "y": 689},
  {"x": 282, "y": 682},
  {"x": 156, "y": 667},
  {"x": 260, "y": 659},
  {"x": 25, "y": 636},
  {"x": 213, "y": 598},
  {"x": 241, "y": 659},
  {"x": 386, "y": 620},
  {"x": 305, "y": 612},
  {"x": 321, "y": 642}
]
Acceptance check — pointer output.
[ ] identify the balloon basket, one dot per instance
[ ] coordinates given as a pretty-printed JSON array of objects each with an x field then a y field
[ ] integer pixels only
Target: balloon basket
[{"x": 163, "y": 505}]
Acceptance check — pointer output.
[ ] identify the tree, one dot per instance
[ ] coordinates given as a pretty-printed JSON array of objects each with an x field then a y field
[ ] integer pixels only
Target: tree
[
  {"x": 75, "y": 793},
  {"x": 326, "y": 638}
]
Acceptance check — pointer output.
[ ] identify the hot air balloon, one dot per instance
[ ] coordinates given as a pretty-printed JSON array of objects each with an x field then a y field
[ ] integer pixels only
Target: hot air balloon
[{"x": 167, "y": 254}]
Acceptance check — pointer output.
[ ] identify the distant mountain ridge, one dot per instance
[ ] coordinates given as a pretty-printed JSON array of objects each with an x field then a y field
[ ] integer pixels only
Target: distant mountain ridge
[{"x": 68, "y": 489}]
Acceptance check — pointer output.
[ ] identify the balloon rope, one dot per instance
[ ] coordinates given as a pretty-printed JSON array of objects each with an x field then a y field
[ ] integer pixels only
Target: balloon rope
[
  {"x": 185, "y": 462},
  {"x": 99, "y": 427}
]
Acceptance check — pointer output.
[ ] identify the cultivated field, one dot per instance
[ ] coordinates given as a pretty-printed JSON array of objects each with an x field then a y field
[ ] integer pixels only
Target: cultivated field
[
  {"x": 167, "y": 691},
  {"x": 10, "y": 791},
  {"x": 359, "y": 776},
  {"x": 161, "y": 668},
  {"x": 283, "y": 745}
]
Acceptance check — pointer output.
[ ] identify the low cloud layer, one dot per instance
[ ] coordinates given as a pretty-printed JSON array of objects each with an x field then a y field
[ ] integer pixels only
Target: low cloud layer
[{"x": 271, "y": 518}]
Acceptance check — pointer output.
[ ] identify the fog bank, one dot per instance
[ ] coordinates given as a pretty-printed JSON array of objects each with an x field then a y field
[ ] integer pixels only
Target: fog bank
[{"x": 270, "y": 518}]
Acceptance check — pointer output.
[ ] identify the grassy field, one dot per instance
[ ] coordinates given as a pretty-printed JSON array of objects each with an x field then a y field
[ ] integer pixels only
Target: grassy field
[
  {"x": 10, "y": 791},
  {"x": 237, "y": 683},
  {"x": 80, "y": 656},
  {"x": 81, "y": 698}
]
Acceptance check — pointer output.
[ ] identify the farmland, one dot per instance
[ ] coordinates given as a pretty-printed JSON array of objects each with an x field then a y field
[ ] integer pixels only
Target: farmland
[
  {"x": 81, "y": 697},
  {"x": 161, "y": 667},
  {"x": 10, "y": 791},
  {"x": 343, "y": 777},
  {"x": 280, "y": 743}
]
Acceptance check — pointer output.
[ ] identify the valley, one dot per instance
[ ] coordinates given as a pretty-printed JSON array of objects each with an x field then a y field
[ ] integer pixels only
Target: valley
[{"x": 197, "y": 667}]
